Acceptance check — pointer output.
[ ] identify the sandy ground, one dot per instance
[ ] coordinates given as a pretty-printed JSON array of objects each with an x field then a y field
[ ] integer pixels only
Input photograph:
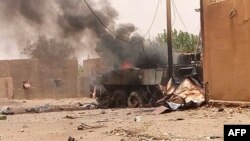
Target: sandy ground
[
  {"x": 117, "y": 124},
  {"x": 32, "y": 103}
]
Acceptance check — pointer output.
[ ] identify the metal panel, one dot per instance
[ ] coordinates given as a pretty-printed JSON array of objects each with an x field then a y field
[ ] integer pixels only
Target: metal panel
[{"x": 132, "y": 77}]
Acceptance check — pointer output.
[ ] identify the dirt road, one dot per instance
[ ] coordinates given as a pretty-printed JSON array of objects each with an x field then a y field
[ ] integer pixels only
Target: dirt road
[{"x": 117, "y": 124}]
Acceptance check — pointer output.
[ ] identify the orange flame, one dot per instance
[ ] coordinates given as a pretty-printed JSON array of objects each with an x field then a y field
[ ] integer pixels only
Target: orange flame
[{"x": 126, "y": 65}]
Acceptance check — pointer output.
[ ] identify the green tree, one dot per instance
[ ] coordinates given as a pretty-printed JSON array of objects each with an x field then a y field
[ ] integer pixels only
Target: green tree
[{"x": 182, "y": 41}]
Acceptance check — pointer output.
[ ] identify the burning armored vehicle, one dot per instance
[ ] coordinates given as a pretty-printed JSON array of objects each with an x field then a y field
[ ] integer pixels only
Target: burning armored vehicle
[{"x": 141, "y": 87}]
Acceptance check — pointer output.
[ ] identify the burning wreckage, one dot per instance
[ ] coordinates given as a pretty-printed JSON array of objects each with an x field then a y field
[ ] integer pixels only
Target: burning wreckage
[
  {"x": 152, "y": 87},
  {"x": 135, "y": 85}
]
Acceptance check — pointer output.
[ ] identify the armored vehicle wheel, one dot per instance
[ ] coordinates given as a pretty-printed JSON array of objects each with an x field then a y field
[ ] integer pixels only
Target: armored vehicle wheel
[
  {"x": 135, "y": 100},
  {"x": 120, "y": 99}
]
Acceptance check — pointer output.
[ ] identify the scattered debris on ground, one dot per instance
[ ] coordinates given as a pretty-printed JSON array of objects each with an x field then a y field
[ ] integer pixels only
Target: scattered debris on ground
[
  {"x": 180, "y": 119},
  {"x": 88, "y": 106},
  {"x": 214, "y": 137},
  {"x": 69, "y": 117},
  {"x": 187, "y": 95},
  {"x": 160, "y": 110},
  {"x": 134, "y": 135},
  {"x": 86, "y": 127},
  {"x": 71, "y": 139},
  {"x": 101, "y": 121},
  {"x": 175, "y": 126},
  {"x": 6, "y": 110},
  {"x": 220, "y": 109},
  {"x": 138, "y": 119},
  {"x": 103, "y": 112},
  {"x": 2, "y": 117},
  {"x": 25, "y": 126},
  {"x": 48, "y": 108},
  {"x": 39, "y": 109}
]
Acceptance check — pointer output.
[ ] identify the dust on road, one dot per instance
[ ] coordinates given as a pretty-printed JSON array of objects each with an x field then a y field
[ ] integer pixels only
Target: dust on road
[{"x": 122, "y": 124}]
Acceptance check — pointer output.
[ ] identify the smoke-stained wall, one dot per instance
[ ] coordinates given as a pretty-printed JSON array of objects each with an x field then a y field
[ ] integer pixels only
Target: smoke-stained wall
[{"x": 47, "y": 80}]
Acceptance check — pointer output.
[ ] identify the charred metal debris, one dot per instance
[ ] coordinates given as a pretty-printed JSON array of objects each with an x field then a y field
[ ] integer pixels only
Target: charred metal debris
[{"x": 139, "y": 87}]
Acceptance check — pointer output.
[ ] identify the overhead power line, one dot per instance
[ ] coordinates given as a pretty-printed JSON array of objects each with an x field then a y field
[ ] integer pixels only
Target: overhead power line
[
  {"x": 150, "y": 27},
  {"x": 111, "y": 32},
  {"x": 104, "y": 24},
  {"x": 174, "y": 14},
  {"x": 175, "y": 7}
]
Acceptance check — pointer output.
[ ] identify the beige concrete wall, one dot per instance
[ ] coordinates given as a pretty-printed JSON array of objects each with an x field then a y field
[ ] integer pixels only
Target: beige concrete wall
[
  {"x": 48, "y": 80},
  {"x": 227, "y": 48}
]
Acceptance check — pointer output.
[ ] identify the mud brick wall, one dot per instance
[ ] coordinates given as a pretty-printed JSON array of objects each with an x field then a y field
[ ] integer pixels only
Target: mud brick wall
[
  {"x": 92, "y": 68},
  {"x": 48, "y": 80},
  {"x": 6, "y": 87},
  {"x": 4, "y": 75},
  {"x": 226, "y": 28},
  {"x": 3, "y": 88},
  {"x": 4, "y": 69},
  {"x": 84, "y": 86}
]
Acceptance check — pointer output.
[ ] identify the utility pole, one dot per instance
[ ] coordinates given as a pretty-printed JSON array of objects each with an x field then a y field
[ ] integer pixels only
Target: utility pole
[{"x": 169, "y": 38}]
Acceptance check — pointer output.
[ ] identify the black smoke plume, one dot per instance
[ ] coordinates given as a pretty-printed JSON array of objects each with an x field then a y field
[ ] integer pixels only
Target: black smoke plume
[{"x": 71, "y": 21}]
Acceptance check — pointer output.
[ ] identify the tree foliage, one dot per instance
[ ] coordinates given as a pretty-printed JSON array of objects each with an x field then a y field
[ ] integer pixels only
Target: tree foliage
[
  {"x": 45, "y": 48},
  {"x": 182, "y": 41}
]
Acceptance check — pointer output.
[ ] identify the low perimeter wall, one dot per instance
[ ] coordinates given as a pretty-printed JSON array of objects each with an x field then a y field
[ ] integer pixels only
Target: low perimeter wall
[{"x": 48, "y": 80}]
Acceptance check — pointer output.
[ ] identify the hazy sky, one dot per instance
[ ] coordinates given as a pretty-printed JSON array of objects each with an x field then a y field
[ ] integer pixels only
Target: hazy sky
[{"x": 141, "y": 13}]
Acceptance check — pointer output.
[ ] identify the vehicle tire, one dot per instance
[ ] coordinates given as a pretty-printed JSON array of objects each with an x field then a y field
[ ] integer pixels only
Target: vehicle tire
[
  {"x": 120, "y": 98},
  {"x": 135, "y": 100}
]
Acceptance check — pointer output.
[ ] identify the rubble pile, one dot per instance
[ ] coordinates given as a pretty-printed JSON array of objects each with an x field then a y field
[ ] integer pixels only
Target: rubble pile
[
  {"x": 6, "y": 111},
  {"x": 187, "y": 95}
]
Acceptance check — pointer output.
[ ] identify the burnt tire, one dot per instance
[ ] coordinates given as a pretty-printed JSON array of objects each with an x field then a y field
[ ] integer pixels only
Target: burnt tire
[
  {"x": 120, "y": 99},
  {"x": 135, "y": 100}
]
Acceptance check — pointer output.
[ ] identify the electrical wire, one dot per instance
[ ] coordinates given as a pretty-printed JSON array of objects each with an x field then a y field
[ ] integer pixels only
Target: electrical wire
[
  {"x": 179, "y": 16},
  {"x": 150, "y": 27},
  {"x": 104, "y": 24},
  {"x": 111, "y": 32},
  {"x": 174, "y": 14}
]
